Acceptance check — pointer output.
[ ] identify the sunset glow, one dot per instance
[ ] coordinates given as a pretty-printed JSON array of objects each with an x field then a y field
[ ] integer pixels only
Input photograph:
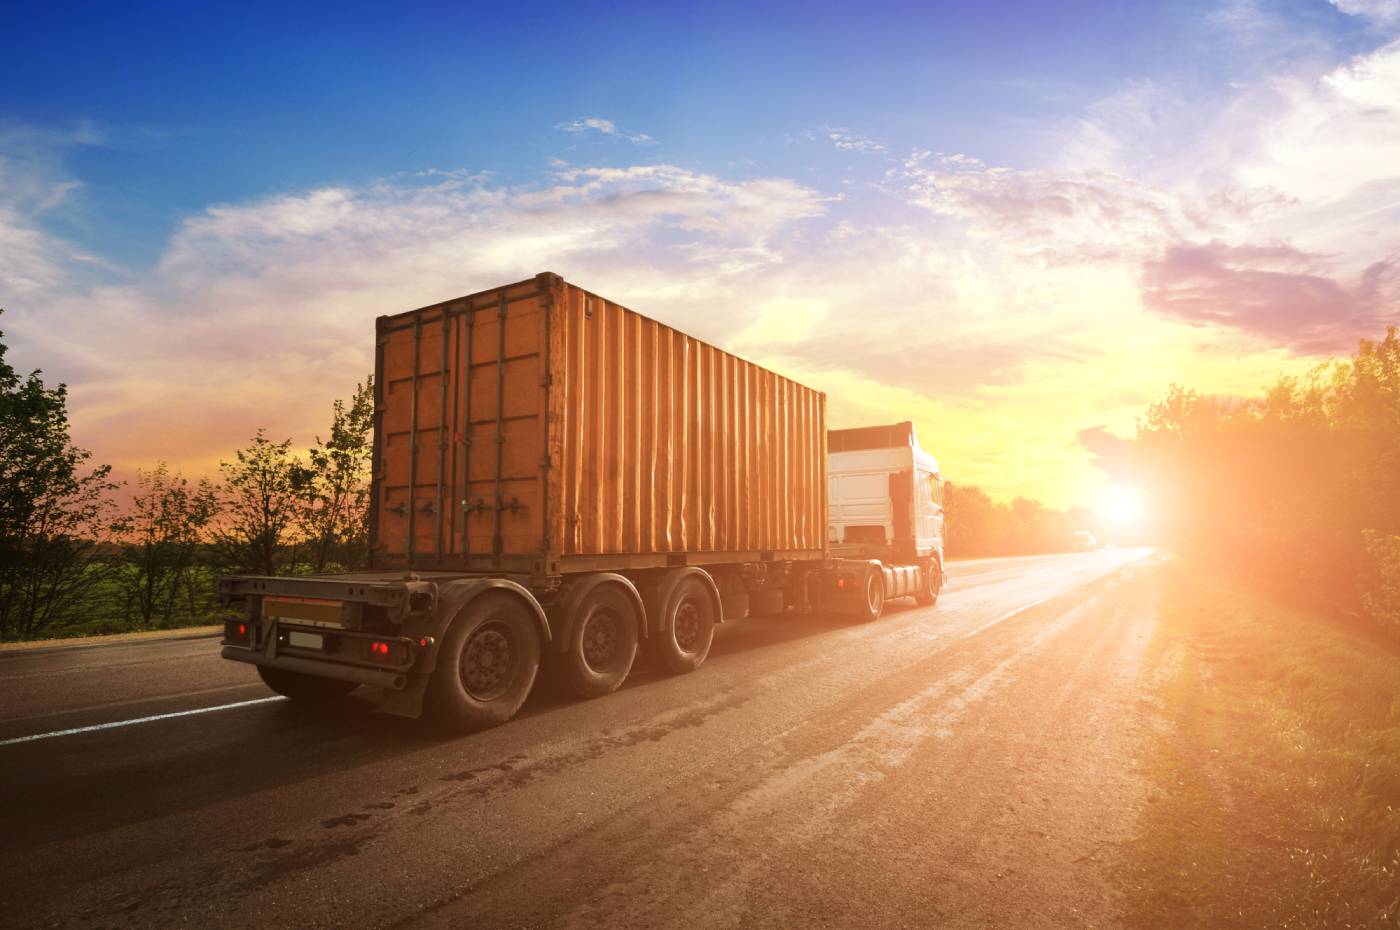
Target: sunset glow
[
  {"x": 1122, "y": 507},
  {"x": 1020, "y": 264}
]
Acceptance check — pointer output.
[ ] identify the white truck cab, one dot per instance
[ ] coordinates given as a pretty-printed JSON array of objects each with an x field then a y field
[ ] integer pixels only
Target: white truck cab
[{"x": 885, "y": 504}]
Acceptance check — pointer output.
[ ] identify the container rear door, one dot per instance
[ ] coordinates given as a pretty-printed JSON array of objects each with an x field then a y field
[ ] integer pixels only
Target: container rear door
[{"x": 460, "y": 460}]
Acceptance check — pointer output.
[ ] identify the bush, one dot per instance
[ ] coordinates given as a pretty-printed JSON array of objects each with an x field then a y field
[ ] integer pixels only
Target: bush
[
  {"x": 1298, "y": 489},
  {"x": 1382, "y": 601}
]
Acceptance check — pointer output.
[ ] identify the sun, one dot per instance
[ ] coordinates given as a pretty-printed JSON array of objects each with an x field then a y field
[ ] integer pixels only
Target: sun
[{"x": 1122, "y": 506}]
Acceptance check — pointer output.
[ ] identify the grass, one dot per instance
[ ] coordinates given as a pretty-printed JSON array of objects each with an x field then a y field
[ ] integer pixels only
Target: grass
[{"x": 1274, "y": 778}]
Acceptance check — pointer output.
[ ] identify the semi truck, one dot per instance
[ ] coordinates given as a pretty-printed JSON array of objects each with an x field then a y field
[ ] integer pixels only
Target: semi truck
[{"x": 560, "y": 483}]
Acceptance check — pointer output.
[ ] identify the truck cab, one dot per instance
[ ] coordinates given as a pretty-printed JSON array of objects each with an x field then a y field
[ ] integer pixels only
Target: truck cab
[{"x": 885, "y": 505}]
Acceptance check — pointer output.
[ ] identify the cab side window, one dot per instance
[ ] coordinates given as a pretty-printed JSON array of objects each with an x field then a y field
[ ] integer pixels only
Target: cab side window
[{"x": 930, "y": 491}]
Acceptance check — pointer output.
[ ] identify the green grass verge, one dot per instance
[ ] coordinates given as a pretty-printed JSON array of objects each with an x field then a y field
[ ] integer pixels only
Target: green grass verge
[
  {"x": 104, "y": 609},
  {"x": 1274, "y": 776}
]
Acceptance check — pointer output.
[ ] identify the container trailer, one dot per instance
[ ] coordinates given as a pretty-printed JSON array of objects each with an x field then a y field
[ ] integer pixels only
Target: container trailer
[{"x": 560, "y": 482}]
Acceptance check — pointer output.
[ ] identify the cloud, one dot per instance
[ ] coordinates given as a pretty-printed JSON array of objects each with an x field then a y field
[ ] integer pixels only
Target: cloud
[
  {"x": 1323, "y": 139},
  {"x": 32, "y": 185},
  {"x": 1111, "y": 453},
  {"x": 848, "y": 140},
  {"x": 259, "y": 313},
  {"x": 1275, "y": 292},
  {"x": 1162, "y": 236},
  {"x": 604, "y": 127},
  {"x": 1086, "y": 216},
  {"x": 1309, "y": 166},
  {"x": 1381, "y": 12}
]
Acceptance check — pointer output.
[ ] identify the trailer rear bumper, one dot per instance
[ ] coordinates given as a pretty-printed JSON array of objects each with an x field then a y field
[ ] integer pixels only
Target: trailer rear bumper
[{"x": 382, "y": 678}]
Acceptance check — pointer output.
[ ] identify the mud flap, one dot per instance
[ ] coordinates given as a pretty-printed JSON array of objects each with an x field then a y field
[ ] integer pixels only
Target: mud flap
[{"x": 409, "y": 701}]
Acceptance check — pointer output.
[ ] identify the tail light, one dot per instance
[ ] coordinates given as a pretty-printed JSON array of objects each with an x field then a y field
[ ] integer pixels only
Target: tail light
[
  {"x": 239, "y": 632},
  {"x": 384, "y": 652}
]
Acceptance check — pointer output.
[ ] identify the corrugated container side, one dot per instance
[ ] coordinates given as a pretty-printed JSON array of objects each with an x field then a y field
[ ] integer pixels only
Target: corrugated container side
[{"x": 584, "y": 436}]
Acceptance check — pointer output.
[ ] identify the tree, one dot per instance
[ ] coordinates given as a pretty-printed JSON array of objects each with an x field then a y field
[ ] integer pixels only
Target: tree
[
  {"x": 164, "y": 526},
  {"x": 1298, "y": 488},
  {"x": 978, "y": 525},
  {"x": 336, "y": 509},
  {"x": 261, "y": 498},
  {"x": 53, "y": 508}
]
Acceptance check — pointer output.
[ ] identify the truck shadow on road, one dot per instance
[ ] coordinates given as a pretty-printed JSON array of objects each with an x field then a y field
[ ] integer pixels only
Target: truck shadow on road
[
  {"x": 732, "y": 638},
  {"x": 113, "y": 778}
]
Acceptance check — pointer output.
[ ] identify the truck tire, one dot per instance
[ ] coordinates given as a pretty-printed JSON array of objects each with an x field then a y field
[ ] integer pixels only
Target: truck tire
[
  {"x": 309, "y": 689},
  {"x": 487, "y": 665},
  {"x": 687, "y": 629},
  {"x": 602, "y": 643},
  {"x": 931, "y": 584},
  {"x": 871, "y": 600}
]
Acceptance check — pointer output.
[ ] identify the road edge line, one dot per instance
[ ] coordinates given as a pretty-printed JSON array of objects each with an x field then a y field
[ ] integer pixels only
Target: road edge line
[{"x": 35, "y": 737}]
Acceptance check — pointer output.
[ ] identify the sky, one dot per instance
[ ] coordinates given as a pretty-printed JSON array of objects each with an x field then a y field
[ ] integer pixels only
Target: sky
[{"x": 1015, "y": 224}]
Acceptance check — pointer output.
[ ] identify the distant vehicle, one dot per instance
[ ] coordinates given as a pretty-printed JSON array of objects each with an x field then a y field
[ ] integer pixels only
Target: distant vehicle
[
  {"x": 1084, "y": 541},
  {"x": 558, "y": 478}
]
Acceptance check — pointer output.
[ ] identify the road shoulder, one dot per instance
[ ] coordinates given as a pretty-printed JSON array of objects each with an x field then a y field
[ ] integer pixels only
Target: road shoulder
[
  {"x": 145, "y": 636},
  {"x": 1274, "y": 784}
]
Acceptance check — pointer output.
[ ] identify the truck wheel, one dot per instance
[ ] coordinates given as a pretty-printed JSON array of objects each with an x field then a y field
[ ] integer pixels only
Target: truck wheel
[
  {"x": 872, "y": 602},
  {"x": 487, "y": 664},
  {"x": 308, "y": 688},
  {"x": 687, "y": 629},
  {"x": 602, "y": 643},
  {"x": 932, "y": 579}
]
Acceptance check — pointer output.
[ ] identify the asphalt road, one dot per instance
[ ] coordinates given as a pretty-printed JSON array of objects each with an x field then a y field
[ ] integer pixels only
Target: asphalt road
[{"x": 966, "y": 765}]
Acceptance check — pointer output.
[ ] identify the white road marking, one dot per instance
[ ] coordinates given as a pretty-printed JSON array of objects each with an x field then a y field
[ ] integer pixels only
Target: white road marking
[
  {"x": 997, "y": 571},
  {"x": 128, "y": 723}
]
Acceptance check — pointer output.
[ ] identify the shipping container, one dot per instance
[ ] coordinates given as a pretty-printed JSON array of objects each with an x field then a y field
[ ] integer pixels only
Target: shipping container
[{"x": 538, "y": 428}]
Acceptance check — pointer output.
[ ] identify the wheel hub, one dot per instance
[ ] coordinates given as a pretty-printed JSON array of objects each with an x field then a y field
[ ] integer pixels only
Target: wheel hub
[
  {"x": 599, "y": 639},
  {"x": 687, "y": 626},
  {"x": 486, "y": 662}
]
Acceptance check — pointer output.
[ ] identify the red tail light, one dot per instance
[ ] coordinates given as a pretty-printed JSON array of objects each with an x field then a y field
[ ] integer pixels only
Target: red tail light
[{"x": 238, "y": 632}]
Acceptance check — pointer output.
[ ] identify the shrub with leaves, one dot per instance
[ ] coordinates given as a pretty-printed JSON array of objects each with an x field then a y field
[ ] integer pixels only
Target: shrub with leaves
[{"x": 1382, "y": 601}]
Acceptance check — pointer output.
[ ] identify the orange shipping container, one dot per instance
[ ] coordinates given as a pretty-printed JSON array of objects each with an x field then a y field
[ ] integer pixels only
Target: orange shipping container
[{"x": 540, "y": 429}]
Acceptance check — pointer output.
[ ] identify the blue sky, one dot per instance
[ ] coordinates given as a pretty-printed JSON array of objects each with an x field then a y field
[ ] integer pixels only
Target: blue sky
[
  {"x": 1036, "y": 195},
  {"x": 205, "y": 103}
]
